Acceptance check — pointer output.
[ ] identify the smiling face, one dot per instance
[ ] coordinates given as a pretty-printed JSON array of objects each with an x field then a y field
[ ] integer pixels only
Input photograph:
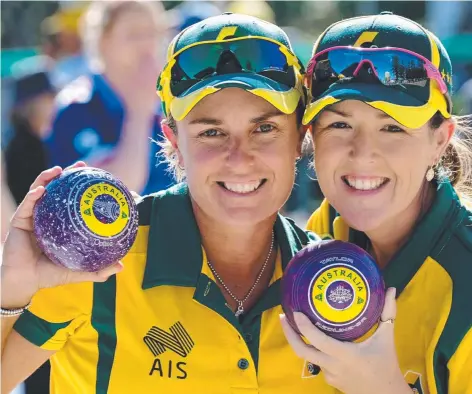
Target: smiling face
[
  {"x": 371, "y": 168},
  {"x": 239, "y": 154}
]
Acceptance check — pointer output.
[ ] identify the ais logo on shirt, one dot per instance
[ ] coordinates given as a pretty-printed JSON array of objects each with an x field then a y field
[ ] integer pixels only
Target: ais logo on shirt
[{"x": 176, "y": 340}]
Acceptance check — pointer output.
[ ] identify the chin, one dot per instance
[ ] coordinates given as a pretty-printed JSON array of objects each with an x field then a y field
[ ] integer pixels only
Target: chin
[
  {"x": 244, "y": 216},
  {"x": 365, "y": 221}
]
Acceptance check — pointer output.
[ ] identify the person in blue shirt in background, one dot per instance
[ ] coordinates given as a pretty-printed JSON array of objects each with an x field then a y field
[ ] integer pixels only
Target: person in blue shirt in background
[{"x": 111, "y": 117}]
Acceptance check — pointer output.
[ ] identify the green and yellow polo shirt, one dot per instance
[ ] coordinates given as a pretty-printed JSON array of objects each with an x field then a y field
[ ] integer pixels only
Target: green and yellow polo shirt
[
  {"x": 432, "y": 273},
  {"x": 162, "y": 325}
]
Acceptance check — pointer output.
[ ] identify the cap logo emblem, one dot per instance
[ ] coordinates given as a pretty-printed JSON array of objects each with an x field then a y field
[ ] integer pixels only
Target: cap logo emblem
[
  {"x": 226, "y": 32},
  {"x": 367, "y": 36}
]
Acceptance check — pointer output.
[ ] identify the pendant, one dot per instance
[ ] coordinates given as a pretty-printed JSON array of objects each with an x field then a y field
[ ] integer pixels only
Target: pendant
[{"x": 240, "y": 310}]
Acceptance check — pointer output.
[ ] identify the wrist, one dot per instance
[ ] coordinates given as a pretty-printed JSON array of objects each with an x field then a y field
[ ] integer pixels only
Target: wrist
[
  {"x": 12, "y": 312},
  {"x": 15, "y": 294},
  {"x": 15, "y": 303},
  {"x": 401, "y": 387}
]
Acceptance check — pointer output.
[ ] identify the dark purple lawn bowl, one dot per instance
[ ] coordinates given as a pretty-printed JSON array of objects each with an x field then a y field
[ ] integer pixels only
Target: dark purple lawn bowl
[
  {"x": 338, "y": 286},
  {"x": 86, "y": 220}
]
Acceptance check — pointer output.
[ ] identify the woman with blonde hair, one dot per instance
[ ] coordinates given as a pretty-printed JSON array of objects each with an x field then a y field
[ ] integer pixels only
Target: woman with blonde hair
[{"x": 196, "y": 307}]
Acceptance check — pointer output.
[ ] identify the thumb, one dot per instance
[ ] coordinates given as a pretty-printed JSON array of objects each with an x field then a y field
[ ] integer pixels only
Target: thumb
[
  {"x": 22, "y": 218},
  {"x": 99, "y": 276}
]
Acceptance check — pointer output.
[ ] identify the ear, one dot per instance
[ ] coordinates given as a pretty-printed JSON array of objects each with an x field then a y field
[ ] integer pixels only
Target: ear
[
  {"x": 169, "y": 134},
  {"x": 172, "y": 138},
  {"x": 443, "y": 136}
]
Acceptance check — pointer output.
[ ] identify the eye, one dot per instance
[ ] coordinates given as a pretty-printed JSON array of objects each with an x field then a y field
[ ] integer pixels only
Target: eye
[
  {"x": 211, "y": 133},
  {"x": 339, "y": 125},
  {"x": 391, "y": 128},
  {"x": 265, "y": 128}
]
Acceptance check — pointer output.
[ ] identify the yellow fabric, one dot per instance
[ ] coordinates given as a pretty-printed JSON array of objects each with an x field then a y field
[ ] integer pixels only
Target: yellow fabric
[
  {"x": 460, "y": 367},
  {"x": 316, "y": 107},
  {"x": 423, "y": 308},
  {"x": 211, "y": 365}
]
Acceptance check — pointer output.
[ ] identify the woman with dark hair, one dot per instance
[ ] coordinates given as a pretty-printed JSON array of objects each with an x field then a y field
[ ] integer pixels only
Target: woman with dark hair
[{"x": 394, "y": 165}]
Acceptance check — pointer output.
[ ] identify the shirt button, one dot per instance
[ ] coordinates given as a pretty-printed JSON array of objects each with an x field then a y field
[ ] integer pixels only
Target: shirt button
[
  {"x": 243, "y": 364},
  {"x": 313, "y": 369},
  {"x": 248, "y": 337}
]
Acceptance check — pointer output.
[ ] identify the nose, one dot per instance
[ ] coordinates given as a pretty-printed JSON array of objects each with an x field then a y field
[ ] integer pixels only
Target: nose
[
  {"x": 240, "y": 158},
  {"x": 363, "y": 148}
]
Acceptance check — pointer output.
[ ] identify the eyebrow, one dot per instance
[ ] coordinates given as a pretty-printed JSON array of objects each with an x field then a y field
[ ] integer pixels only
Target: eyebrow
[
  {"x": 346, "y": 115},
  {"x": 270, "y": 114},
  {"x": 218, "y": 122},
  {"x": 207, "y": 121}
]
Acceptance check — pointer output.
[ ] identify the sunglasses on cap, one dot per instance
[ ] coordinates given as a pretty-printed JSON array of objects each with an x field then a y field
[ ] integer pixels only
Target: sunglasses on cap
[
  {"x": 260, "y": 56},
  {"x": 393, "y": 67},
  {"x": 204, "y": 67},
  {"x": 343, "y": 72}
]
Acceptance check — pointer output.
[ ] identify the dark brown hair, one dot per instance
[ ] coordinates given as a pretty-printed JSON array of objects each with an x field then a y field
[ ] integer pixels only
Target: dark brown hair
[{"x": 456, "y": 163}]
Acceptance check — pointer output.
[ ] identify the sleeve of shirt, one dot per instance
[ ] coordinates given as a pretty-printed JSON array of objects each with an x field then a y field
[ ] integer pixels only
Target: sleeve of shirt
[
  {"x": 460, "y": 367},
  {"x": 56, "y": 314}
]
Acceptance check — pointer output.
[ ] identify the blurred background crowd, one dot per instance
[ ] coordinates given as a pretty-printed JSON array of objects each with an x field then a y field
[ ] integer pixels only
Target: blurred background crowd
[{"x": 78, "y": 82}]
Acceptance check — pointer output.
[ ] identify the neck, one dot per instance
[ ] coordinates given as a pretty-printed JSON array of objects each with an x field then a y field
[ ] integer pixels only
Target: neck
[
  {"x": 387, "y": 239},
  {"x": 237, "y": 253}
]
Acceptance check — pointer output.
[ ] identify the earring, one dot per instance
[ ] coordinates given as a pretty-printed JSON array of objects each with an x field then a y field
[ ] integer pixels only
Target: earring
[{"x": 430, "y": 174}]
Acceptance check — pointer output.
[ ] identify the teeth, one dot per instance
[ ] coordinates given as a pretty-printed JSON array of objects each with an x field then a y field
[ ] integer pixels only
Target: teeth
[
  {"x": 242, "y": 187},
  {"x": 365, "y": 184}
]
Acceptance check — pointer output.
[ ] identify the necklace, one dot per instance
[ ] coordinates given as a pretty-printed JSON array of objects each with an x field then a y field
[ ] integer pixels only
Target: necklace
[{"x": 240, "y": 309}]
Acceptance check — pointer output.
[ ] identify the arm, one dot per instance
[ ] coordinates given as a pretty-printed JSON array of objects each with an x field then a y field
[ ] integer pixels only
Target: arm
[
  {"x": 8, "y": 205},
  {"x": 20, "y": 358},
  {"x": 26, "y": 272},
  {"x": 129, "y": 161}
]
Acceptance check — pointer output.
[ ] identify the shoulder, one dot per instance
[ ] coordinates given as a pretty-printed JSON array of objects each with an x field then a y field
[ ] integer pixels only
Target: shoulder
[
  {"x": 159, "y": 206},
  {"x": 148, "y": 204},
  {"x": 453, "y": 252},
  {"x": 453, "y": 249},
  {"x": 322, "y": 221}
]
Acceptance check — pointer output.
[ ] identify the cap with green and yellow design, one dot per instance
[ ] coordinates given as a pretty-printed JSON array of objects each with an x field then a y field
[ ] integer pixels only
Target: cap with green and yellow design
[
  {"x": 413, "y": 106},
  {"x": 230, "y": 50}
]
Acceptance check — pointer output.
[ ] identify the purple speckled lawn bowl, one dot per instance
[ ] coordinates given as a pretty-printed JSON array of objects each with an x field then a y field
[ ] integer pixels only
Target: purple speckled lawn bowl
[
  {"x": 337, "y": 285},
  {"x": 86, "y": 220}
]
